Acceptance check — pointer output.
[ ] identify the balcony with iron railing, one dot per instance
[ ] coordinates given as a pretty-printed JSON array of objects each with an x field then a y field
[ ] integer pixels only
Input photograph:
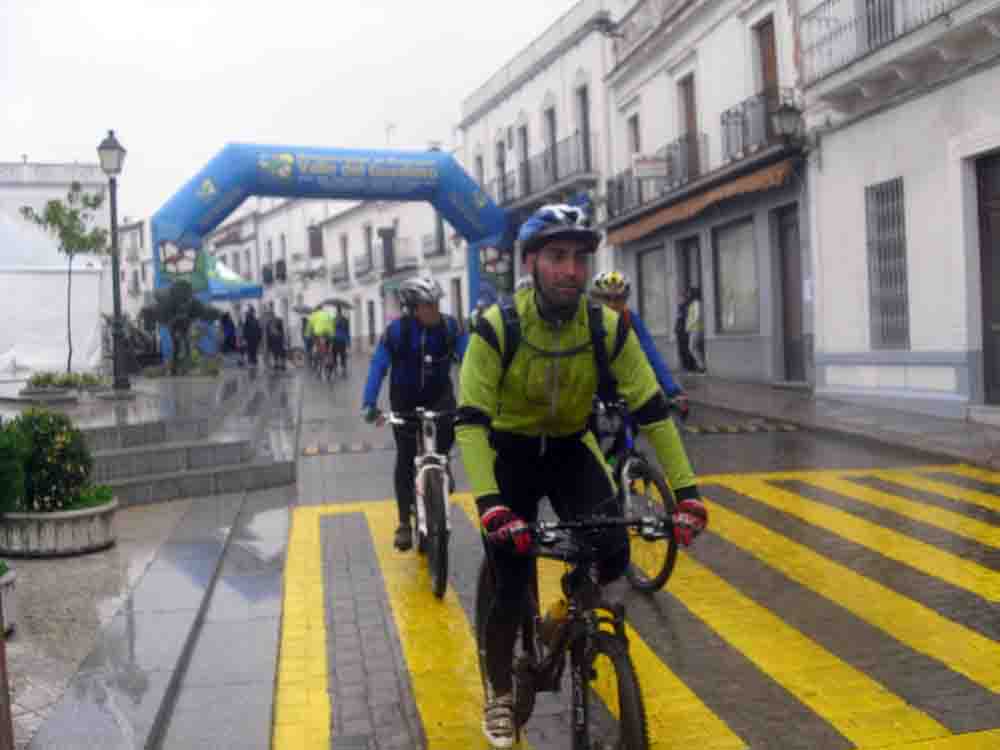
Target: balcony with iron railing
[
  {"x": 364, "y": 265},
  {"x": 561, "y": 165},
  {"x": 835, "y": 33},
  {"x": 673, "y": 166},
  {"x": 339, "y": 273},
  {"x": 747, "y": 127}
]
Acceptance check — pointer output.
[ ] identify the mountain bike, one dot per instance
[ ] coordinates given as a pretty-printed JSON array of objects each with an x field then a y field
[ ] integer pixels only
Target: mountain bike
[
  {"x": 607, "y": 706},
  {"x": 642, "y": 491},
  {"x": 433, "y": 485}
]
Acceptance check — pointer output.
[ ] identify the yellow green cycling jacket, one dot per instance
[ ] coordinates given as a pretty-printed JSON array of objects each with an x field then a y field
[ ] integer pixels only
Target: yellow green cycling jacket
[{"x": 553, "y": 396}]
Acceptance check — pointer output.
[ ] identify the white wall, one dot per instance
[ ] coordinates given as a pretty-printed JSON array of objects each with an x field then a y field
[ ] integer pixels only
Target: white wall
[
  {"x": 716, "y": 42},
  {"x": 883, "y": 147}
]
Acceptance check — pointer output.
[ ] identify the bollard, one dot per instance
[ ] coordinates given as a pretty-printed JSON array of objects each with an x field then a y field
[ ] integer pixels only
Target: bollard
[{"x": 6, "y": 722}]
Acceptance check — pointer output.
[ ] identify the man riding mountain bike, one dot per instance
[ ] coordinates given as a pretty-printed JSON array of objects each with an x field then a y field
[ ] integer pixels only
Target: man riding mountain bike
[
  {"x": 523, "y": 427},
  {"x": 417, "y": 350}
]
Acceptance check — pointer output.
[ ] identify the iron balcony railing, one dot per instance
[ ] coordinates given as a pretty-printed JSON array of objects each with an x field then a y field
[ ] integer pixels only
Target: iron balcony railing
[
  {"x": 363, "y": 264},
  {"x": 682, "y": 161},
  {"x": 339, "y": 273},
  {"x": 568, "y": 158},
  {"x": 281, "y": 270},
  {"x": 747, "y": 127},
  {"x": 838, "y": 32}
]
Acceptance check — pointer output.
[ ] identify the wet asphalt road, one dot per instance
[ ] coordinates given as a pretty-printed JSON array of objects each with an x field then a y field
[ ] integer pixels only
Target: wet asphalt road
[{"x": 844, "y": 596}]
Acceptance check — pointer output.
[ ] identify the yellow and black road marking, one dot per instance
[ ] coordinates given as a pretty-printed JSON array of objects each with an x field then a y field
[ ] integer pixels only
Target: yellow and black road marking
[
  {"x": 738, "y": 428},
  {"x": 312, "y": 450},
  {"x": 791, "y": 537},
  {"x": 336, "y": 449}
]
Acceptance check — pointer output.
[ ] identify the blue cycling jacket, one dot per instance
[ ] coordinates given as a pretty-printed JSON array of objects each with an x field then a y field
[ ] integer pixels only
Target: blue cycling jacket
[
  {"x": 342, "y": 331},
  {"x": 419, "y": 361},
  {"x": 667, "y": 382}
]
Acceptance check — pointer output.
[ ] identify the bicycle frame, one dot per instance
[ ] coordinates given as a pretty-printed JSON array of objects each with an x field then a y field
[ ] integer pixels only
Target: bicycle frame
[
  {"x": 428, "y": 460},
  {"x": 584, "y": 619}
]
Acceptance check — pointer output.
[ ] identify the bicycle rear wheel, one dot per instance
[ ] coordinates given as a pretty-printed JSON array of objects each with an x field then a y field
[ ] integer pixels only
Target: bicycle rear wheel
[
  {"x": 437, "y": 532},
  {"x": 622, "y": 726},
  {"x": 645, "y": 493}
]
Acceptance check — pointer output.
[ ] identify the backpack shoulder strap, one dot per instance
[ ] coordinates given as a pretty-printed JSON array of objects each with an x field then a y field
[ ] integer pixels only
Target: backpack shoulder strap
[
  {"x": 512, "y": 334},
  {"x": 452, "y": 332},
  {"x": 607, "y": 386}
]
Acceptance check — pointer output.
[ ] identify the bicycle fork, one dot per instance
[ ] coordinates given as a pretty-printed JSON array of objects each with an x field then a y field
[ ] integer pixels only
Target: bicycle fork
[{"x": 422, "y": 474}]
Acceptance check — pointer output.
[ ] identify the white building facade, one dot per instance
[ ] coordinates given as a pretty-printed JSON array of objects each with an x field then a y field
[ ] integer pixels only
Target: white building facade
[
  {"x": 905, "y": 126},
  {"x": 705, "y": 193},
  {"x": 537, "y": 131},
  {"x": 305, "y": 252}
]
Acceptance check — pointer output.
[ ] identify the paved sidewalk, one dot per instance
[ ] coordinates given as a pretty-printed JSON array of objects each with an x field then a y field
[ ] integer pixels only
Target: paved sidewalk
[{"x": 957, "y": 439}]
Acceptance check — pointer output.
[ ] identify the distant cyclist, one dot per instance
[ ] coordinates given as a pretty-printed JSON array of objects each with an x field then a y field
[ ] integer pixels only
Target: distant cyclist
[
  {"x": 417, "y": 351},
  {"x": 612, "y": 289}
]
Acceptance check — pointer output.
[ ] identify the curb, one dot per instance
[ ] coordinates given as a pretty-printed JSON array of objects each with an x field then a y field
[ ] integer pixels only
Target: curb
[{"x": 842, "y": 431}]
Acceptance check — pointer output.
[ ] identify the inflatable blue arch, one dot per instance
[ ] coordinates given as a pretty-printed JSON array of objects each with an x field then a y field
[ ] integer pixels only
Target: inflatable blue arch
[{"x": 239, "y": 171}]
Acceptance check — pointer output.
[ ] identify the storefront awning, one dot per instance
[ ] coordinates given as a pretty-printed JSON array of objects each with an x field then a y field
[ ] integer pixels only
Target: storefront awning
[{"x": 769, "y": 177}]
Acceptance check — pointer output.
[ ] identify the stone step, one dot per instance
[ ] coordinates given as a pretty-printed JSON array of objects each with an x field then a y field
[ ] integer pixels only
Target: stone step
[
  {"x": 164, "y": 458},
  {"x": 232, "y": 394},
  {"x": 214, "y": 480}
]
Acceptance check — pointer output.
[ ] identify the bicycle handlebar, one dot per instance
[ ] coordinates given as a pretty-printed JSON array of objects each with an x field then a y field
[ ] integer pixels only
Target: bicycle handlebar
[
  {"x": 547, "y": 535},
  {"x": 417, "y": 416}
]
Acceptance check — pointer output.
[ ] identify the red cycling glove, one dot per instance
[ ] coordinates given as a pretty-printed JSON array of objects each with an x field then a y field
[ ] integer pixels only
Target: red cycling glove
[
  {"x": 504, "y": 528},
  {"x": 689, "y": 520}
]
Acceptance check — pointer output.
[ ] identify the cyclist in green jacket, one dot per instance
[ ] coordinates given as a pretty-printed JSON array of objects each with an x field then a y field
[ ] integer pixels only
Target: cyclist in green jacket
[{"x": 523, "y": 430}]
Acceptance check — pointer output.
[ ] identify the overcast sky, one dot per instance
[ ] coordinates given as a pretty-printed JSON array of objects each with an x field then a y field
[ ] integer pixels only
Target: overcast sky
[{"x": 178, "y": 79}]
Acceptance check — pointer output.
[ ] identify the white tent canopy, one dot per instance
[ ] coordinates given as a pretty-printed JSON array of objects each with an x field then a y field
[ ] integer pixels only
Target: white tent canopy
[{"x": 33, "y": 301}]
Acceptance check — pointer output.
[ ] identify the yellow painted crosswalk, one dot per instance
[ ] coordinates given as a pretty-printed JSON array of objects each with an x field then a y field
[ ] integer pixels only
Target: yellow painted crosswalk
[{"x": 438, "y": 649}]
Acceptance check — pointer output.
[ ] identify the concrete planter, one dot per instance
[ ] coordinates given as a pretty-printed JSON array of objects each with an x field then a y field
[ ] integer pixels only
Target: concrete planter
[
  {"x": 68, "y": 532},
  {"x": 8, "y": 604}
]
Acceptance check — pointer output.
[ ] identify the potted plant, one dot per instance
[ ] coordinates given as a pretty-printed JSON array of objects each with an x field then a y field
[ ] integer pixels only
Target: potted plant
[{"x": 58, "y": 512}]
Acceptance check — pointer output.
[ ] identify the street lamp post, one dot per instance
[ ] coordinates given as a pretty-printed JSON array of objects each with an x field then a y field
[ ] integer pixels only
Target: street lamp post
[{"x": 112, "y": 156}]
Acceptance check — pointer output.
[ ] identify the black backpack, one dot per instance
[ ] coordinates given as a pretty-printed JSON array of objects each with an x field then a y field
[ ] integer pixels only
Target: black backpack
[
  {"x": 407, "y": 326},
  {"x": 607, "y": 386}
]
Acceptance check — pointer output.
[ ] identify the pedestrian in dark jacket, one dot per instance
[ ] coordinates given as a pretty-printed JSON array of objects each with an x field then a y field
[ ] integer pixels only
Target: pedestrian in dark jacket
[
  {"x": 251, "y": 336},
  {"x": 276, "y": 342},
  {"x": 680, "y": 330},
  {"x": 228, "y": 334}
]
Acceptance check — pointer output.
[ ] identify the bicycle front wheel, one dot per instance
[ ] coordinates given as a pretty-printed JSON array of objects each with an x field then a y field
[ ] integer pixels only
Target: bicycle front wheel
[
  {"x": 645, "y": 493},
  {"x": 437, "y": 532},
  {"x": 620, "y": 723}
]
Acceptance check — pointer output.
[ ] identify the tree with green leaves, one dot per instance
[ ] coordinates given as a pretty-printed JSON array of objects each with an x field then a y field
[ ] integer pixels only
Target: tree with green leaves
[
  {"x": 70, "y": 222},
  {"x": 176, "y": 307}
]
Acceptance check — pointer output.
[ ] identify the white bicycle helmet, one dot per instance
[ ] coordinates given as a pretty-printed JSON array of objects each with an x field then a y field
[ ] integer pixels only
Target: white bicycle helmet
[
  {"x": 420, "y": 290},
  {"x": 525, "y": 282}
]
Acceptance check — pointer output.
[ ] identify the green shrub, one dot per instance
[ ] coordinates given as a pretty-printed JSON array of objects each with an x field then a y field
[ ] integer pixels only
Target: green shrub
[
  {"x": 13, "y": 451},
  {"x": 42, "y": 379},
  {"x": 67, "y": 380},
  {"x": 90, "y": 380},
  {"x": 58, "y": 463},
  {"x": 92, "y": 496}
]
